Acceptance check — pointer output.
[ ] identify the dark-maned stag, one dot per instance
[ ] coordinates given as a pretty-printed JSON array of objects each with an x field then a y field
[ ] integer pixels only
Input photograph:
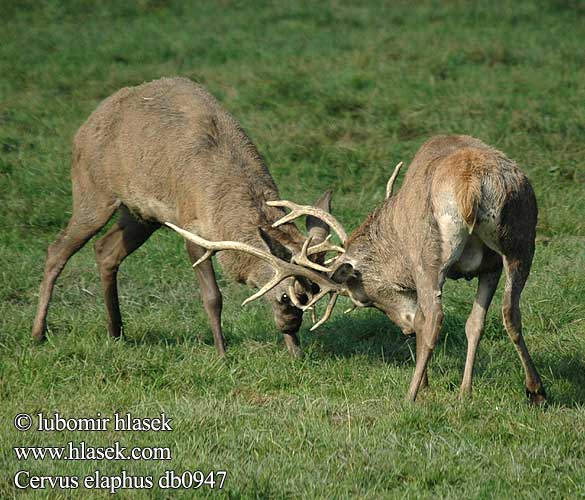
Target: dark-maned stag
[{"x": 167, "y": 151}]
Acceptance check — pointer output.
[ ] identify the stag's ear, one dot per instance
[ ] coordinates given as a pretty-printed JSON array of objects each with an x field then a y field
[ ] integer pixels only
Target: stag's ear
[
  {"x": 343, "y": 273},
  {"x": 316, "y": 227},
  {"x": 276, "y": 247}
]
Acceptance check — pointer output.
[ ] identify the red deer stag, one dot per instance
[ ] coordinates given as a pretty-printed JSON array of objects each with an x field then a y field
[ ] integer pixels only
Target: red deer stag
[
  {"x": 464, "y": 210},
  {"x": 167, "y": 151}
]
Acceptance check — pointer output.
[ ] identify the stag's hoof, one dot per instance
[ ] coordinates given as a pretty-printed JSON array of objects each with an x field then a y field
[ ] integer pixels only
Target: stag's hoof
[
  {"x": 293, "y": 345},
  {"x": 296, "y": 352},
  {"x": 39, "y": 337},
  {"x": 537, "y": 397}
]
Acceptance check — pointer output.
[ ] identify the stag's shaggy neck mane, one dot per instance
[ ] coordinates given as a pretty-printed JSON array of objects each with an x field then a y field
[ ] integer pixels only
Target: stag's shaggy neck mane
[
  {"x": 378, "y": 247},
  {"x": 245, "y": 222}
]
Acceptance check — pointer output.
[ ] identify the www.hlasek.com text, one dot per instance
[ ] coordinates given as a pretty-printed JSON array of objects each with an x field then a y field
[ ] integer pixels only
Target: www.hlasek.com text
[{"x": 81, "y": 451}]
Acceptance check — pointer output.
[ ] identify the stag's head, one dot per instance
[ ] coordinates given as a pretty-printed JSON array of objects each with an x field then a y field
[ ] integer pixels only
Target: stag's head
[
  {"x": 289, "y": 297},
  {"x": 363, "y": 272}
]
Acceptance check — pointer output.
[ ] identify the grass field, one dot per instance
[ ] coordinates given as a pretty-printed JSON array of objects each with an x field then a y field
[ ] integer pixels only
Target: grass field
[{"x": 334, "y": 95}]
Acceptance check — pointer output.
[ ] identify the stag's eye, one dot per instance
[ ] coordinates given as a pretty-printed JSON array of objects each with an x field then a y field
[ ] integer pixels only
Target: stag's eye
[{"x": 285, "y": 299}]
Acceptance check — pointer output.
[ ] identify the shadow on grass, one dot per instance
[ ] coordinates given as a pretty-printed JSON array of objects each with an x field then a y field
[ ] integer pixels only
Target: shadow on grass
[
  {"x": 160, "y": 337},
  {"x": 200, "y": 335},
  {"x": 371, "y": 336},
  {"x": 379, "y": 340},
  {"x": 569, "y": 373}
]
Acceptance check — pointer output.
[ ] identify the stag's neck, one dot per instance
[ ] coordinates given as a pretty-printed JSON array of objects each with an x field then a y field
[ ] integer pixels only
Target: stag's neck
[
  {"x": 378, "y": 244},
  {"x": 246, "y": 268},
  {"x": 243, "y": 268}
]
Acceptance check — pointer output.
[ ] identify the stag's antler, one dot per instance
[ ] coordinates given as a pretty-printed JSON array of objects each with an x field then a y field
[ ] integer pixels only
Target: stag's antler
[
  {"x": 302, "y": 259},
  {"x": 390, "y": 185},
  {"x": 299, "y": 210},
  {"x": 325, "y": 246},
  {"x": 282, "y": 270},
  {"x": 307, "y": 250},
  {"x": 328, "y": 311}
]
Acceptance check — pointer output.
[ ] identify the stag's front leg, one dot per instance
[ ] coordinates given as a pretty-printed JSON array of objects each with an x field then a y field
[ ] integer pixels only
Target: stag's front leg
[
  {"x": 212, "y": 300},
  {"x": 488, "y": 282},
  {"x": 428, "y": 322},
  {"x": 293, "y": 344}
]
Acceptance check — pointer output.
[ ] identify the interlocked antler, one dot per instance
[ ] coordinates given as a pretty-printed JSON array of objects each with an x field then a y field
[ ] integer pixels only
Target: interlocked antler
[
  {"x": 299, "y": 210},
  {"x": 307, "y": 250},
  {"x": 302, "y": 259},
  {"x": 331, "y": 304},
  {"x": 390, "y": 185},
  {"x": 282, "y": 270}
]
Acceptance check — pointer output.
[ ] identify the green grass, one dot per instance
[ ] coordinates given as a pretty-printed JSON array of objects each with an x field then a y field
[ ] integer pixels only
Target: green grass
[{"x": 334, "y": 95}]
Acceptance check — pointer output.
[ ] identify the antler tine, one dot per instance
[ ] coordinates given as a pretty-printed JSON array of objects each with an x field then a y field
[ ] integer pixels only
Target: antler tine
[
  {"x": 390, "y": 185},
  {"x": 302, "y": 259},
  {"x": 318, "y": 297},
  {"x": 207, "y": 255},
  {"x": 328, "y": 311},
  {"x": 281, "y": 268},
  {"x": 299, "y": 210},
  {"x": 325, "y": 246},
  {"x": 293, "y": 296},
  {"x": 267, "y": 287}
]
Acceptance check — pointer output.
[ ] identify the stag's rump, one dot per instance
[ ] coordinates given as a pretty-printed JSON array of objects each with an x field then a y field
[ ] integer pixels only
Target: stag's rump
[{"x": 482, "y": 202}]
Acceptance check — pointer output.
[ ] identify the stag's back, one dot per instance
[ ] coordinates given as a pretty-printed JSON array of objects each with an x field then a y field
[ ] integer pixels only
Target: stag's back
[{"x": 170, "y": 152}]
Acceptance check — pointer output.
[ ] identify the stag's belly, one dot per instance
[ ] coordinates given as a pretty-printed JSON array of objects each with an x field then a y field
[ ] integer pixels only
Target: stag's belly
[
  {"x": 469, "y": 262},
  {"x": 475, "y": 250}
]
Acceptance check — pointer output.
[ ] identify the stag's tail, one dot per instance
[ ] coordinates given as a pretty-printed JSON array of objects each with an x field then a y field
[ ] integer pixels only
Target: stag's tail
[{"x": 468, "y": 166}]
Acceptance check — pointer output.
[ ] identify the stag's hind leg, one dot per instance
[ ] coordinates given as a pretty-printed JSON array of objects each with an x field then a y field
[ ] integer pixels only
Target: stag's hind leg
[
  {"x": 90, "y": 214},
  {"x": 212, "y": 300},
  {"x": 517, "y": 270},
  {"x": 127, "y": 235}
]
